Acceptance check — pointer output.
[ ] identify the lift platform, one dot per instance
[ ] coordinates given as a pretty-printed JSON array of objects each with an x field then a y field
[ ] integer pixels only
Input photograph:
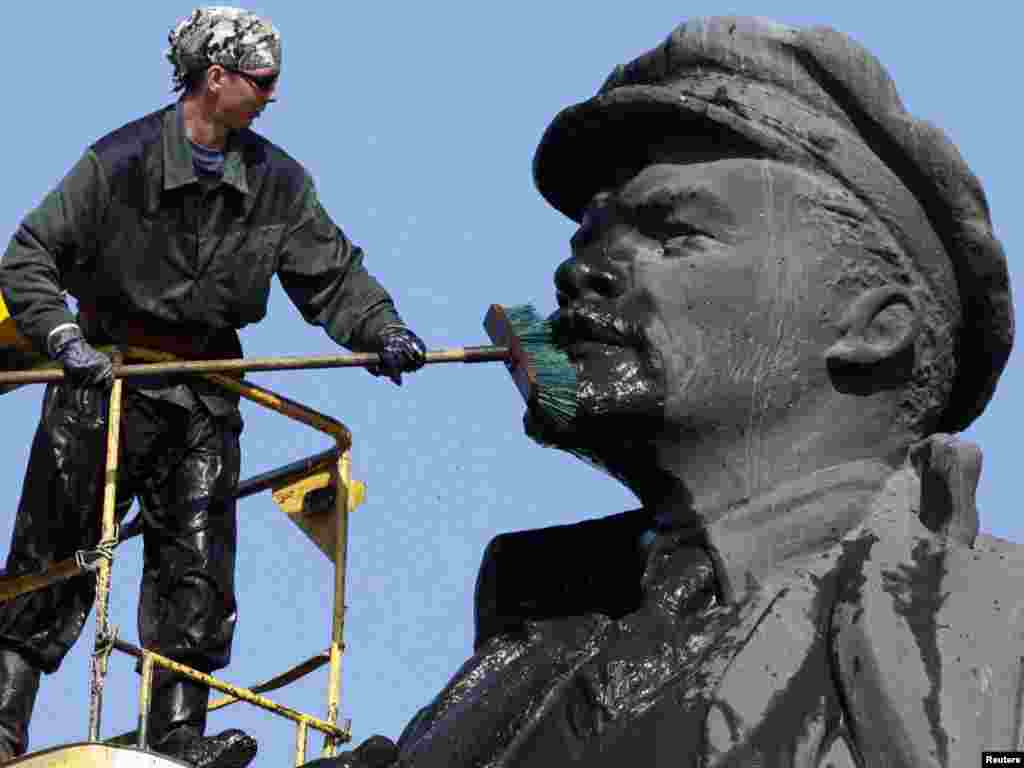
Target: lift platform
[
  {"x": 317, "y": 493},
  {"x": 93, "y": 755}
]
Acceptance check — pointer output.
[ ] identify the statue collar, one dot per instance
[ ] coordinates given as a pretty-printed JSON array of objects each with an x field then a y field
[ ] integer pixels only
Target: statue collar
[{"x": 794, "y": 521}]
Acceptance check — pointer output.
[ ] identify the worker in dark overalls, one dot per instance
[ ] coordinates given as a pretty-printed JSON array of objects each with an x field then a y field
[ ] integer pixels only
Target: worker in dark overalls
[{"x": 167, "y": 232}]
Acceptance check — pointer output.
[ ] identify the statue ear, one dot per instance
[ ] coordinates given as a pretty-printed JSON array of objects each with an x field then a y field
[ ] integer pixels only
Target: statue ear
[{"x": 875, "y": 350}]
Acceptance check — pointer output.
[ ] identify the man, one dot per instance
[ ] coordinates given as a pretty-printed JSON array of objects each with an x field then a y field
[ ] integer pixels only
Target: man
[
  {"x": 167, "y": 232},
  {"x": 783, "y": 293}
]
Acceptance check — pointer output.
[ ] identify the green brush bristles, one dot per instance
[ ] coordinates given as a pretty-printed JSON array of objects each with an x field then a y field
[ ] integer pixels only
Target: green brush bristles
[{"x": 555, "y": 375}]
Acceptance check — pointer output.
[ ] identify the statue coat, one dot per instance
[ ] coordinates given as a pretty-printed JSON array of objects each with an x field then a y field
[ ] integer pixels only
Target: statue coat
[{"x": 853, "y": 618}]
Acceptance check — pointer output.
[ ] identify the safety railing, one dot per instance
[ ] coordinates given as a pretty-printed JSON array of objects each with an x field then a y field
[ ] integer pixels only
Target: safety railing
[
  {"x": 346, "y": 497},
  {"x": 331, "y": 469},
  {"x": 294, "y": 487}
]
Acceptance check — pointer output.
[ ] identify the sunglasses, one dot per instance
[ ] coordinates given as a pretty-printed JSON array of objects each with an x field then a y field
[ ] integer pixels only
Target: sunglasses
[{"x": 260, "y": 82}]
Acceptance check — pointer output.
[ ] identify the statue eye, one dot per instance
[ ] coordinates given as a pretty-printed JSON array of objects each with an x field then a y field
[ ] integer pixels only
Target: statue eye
[
  {"x": 682, "y": 246},
  {"x": 662, "y": 223}
]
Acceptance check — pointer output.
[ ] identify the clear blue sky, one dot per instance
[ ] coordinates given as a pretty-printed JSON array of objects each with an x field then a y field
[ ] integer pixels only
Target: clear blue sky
[{"x": 419, "y": 122}]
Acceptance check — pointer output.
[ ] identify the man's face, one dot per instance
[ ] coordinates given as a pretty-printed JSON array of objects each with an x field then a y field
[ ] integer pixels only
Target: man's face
[
  {"x": 697, "y": 299},
  {"x": 244, "y": 95}
]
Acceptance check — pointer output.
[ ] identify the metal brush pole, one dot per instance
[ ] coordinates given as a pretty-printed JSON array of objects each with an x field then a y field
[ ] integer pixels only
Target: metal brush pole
[{"x": 241, "y": 365}]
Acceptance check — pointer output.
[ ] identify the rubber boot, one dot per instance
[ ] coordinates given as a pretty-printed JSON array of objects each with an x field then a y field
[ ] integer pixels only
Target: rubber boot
[
  {"x": 19, "y": 683},
  {"x": 177, "y": 720}
]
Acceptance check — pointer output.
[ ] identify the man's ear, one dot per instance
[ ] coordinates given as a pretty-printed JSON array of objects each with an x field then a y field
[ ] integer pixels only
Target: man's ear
[
  {"x": 215, "y": 77},
  {"x": 875, "y": 350}
]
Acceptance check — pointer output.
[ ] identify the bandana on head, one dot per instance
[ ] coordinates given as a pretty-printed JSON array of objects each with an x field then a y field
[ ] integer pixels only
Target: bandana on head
[{"x": 232, "y": 37}]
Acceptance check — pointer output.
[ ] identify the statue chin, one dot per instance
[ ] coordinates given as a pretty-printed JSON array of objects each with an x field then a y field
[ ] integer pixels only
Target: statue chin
[{"x": 620, "y": 444}]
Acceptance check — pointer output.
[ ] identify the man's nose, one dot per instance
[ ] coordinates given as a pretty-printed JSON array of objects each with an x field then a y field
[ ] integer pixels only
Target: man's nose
[{"x": 589, "y": 280}]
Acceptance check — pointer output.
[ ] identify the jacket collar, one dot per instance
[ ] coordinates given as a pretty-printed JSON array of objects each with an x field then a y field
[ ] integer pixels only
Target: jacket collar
[
  {"x": 794, "y": 521},
  {"x": 178, "y": 168}
]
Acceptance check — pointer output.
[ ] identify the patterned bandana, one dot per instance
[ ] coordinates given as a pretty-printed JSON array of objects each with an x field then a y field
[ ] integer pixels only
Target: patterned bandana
[{"x": 232, "y": 37}]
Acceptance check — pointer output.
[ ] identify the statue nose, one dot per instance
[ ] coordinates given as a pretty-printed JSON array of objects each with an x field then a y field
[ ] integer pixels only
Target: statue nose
[{"x": 581, "y": 279}]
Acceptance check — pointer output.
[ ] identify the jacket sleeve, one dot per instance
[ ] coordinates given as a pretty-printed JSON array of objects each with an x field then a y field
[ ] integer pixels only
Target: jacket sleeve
[
  {"x": 61, "y": 230},
  {"x": 323, "y": 274}
]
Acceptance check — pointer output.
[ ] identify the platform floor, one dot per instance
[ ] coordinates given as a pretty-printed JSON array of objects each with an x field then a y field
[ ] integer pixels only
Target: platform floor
[{"x": 87, "y": 755}]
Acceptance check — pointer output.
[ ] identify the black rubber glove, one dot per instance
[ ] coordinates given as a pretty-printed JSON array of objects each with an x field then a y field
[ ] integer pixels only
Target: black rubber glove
[
  {"x": 400, "y": 351},
  {"x": 83, "y": 365}
]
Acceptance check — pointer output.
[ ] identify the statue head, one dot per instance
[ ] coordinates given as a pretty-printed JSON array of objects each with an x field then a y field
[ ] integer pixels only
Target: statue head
[{"x": 776, "y": 268}]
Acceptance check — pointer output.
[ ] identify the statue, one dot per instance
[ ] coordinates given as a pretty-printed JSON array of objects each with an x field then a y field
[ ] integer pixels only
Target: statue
[{"x": 783, "y": 300}]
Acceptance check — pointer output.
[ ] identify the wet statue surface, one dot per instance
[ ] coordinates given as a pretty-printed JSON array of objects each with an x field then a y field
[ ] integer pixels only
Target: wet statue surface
[{"x": 783, "y": 299}]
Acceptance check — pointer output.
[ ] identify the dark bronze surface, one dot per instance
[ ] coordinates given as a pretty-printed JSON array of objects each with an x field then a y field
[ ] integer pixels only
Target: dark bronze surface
[{"x": 783, "y": 295}]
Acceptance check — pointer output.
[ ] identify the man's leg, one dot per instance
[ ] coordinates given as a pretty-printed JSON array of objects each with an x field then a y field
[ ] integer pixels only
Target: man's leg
[
  {"x": 19, "y": 682},
  {"x": 57, "y": 515},
  {"x": 187, "y": 610}
]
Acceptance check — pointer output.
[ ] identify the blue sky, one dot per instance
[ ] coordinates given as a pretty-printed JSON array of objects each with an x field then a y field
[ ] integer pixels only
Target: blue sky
[{"x": 419, "y": 122}]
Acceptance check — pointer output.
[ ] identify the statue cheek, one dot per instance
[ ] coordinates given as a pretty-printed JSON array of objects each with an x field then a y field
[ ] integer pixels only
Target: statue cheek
[{"x": 684, "y": 367}]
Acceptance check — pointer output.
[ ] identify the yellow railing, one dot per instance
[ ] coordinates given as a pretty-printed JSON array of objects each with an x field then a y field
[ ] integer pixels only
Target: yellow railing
[
  {"x": 347, "y": 496},
  {"x": 330, "y": 535}
]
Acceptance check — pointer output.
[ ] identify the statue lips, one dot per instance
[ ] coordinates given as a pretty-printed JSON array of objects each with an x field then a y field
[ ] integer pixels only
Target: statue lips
[
  {"x": 588, "y": 330},
  {"x": 617, "y": 375}
]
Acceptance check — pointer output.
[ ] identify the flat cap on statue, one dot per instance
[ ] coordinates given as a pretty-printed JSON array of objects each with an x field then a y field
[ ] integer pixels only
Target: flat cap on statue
[{"x": 748, "y": 87}]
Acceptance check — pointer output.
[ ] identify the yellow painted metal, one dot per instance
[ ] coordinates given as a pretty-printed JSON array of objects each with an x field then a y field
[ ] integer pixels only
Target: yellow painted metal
[
  {"x": 241, "y": 693},
  {"x": 13, "y": 586},
  {"x": 93, "y": 756},
  {"x": 145, "y": 694},
  {"x": 289, "y": 408},
  {"x": 329, "y": 532},
  {"x": 266, "y": 398},
  {"x": 295, "y": 673},
  {"x": 63, "y": 569},
  {"x": 343, "y": 501},
  {"x": 322, "y": 528},
  {"x": 340, "y": 477},
  {"x": 16, "y": 376},
  {"x": 300, "y": 743},
  {"x": 9, "y": 336},
  {"x": 101, "y": 652}
]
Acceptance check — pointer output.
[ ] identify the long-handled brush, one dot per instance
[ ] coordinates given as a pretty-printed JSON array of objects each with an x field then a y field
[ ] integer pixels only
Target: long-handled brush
[
  {"x": 524, "y": 342},
  {"x": 541, "y": 370}
]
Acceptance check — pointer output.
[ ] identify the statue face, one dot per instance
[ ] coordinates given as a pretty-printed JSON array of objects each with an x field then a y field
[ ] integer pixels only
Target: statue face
[{"x": 697, "y": 299}]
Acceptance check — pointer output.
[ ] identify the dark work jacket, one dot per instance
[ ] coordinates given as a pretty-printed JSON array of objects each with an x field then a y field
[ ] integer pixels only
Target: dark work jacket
[{"x": 132, "y": 232}]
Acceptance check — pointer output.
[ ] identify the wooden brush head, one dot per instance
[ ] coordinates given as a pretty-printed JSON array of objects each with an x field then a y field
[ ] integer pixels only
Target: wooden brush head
[{"x": 503, "y": 334}]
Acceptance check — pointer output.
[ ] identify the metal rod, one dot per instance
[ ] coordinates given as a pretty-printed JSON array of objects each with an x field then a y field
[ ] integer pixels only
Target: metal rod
[
  {"x": 13, "y": 586},
  {"x": 246, "y": 488},
  {"x": 145, "y": 693},
  {"x": 357, "y": 360},
  {"x": 241, "y": 693},
  {"x": 101, "y": 651},
  {"x": 265, "y": 397},
  {"x": 281, "y": 404},
  {"x": 342, "y": 500},
  {"x": 288, "y": 408},
  {"x": 300, "y": 743},
  {"x": 286, "y": 473},
  {"x": 280, "y": 681}
]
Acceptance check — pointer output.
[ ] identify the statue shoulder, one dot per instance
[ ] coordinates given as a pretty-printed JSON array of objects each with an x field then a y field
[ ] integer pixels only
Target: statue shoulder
[{"x": 929, "y": 648}]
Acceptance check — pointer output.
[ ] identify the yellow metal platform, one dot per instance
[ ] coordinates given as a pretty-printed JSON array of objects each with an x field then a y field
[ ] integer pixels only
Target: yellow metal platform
[
  {"x": 92, "y": 755},
  {"x": 318, "y": 499}
]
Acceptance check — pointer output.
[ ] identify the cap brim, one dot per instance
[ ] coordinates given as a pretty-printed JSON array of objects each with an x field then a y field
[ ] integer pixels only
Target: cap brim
[{"x": 600, "y": 143}]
